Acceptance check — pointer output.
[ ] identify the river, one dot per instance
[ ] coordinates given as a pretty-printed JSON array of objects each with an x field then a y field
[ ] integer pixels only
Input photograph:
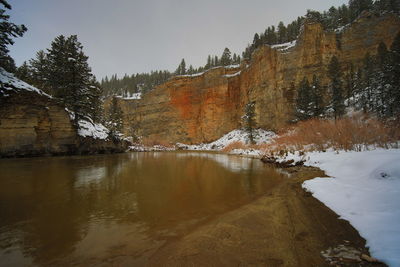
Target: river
[{"x": 94, "y": 210}]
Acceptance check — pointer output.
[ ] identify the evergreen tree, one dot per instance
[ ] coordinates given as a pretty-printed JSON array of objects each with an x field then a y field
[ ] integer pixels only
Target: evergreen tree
[
  {"x": 394, "y": 76},
  {"x": 216, "y": 61},
  {"x": 23, "y": 72},
  {"x": 209, "y": 63},
  {"x": 381, "y": 81},
  {"x": 317, "y": 97},
  {"x": 95, "y": 111},
  {"x": 181, "y": 70},
  {"x": 226, "y": 58},
  {"x": 356, "y": 7},
  {"x": 304, "y": 101},
  {"x": 350, "y": 83},
  {"x": 282, "y": 33},
  {"x": 8, "y": 31},
  {"x": 334, "y": 74},
  {"x": 39, "y": 68},
  {"x": 115, "y": 122},
  {"x": 256, "y": 41},
  {"x": 249, "y": 121},
  {"x": 69, "y": 75}
]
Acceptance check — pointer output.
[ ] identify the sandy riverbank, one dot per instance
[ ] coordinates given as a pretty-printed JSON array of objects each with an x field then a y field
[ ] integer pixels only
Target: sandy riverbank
[{"x": 286, "y": 227}]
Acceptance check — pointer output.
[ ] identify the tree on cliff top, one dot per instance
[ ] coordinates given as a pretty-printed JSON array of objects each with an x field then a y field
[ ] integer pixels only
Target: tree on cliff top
[
  {"x": 181, "y": 70},
  {"x": 249, "y": 120},
  {"x": 226, "y": 58},
  {"x": 8, "y": 31}
]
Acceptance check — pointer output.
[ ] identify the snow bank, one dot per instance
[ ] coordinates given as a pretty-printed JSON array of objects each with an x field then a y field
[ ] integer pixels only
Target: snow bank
[
  {"x": 261, "y": 136},
  {"x": 285, "y": 46},
  {"x": 365, "y": 190},
  {"x": 87, "y": 128},
  {"x": 10, "y": 83}
]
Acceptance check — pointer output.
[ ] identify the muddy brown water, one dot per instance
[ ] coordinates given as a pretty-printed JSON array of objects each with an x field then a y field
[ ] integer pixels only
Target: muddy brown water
[{"x": 94, "y": 210}]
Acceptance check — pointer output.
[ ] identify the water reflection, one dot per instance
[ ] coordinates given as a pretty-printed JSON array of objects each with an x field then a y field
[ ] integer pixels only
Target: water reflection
[{"x": 87, "y": 209}]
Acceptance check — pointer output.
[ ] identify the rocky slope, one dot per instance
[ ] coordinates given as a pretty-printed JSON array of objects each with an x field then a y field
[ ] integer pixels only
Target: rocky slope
[
  {"x": 201, "y": 108},
  {"x": 32, "y": 123}
]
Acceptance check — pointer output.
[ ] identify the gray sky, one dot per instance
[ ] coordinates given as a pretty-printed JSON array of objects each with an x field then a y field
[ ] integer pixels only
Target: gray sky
[{"x": 130, "y": 36}]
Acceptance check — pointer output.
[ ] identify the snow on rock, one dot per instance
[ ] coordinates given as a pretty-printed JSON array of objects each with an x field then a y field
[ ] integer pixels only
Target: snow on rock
[
  {"x": 365, "y": 190},
  {"x": 87, "y": 128},
  {"x": 131, "y": 96},
  {"x": 235, "y": 66},
  {"x": 232, "y": 75},
  {"x": 191, "y": 75},
  {"x": 285, "y": 46},
  {"x": 261, "y": 136},
  {"x": 9, "y": 82}
]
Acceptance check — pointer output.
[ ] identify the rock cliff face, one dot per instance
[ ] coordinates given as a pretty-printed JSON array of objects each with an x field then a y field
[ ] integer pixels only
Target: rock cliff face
[
  {"x": 202, "y": 108},
  {"x": 32, "y": 123}
]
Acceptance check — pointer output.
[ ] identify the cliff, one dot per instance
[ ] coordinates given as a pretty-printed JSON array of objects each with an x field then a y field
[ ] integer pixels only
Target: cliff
[
  {"x": 33, "y": 123},
  {"x": 203, "y": 107}
]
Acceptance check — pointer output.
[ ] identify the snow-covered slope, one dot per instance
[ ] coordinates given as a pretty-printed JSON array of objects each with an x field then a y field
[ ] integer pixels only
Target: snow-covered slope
[
  {"x": 261, "y": 136},
  {"x": 8, "y": 83}
]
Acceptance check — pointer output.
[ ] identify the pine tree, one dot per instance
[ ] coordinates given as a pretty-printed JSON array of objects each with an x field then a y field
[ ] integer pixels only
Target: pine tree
[
  {"x": 394, "y": 76},
  {"x": 356, "y": 7},
  {"x": 39, "y": 67},
  {"x": 95, "y": 111},
  {"x": 23, "y": 72},
  {"x": 209, "y": 63},
  {"x": 216, "y": 61},
  {"x": 317, "y": 97},
  {"x": 69, "y": 75},
  {"x": 8, "y": 31},
  {"x": 350, "y": 83},
  {"x": 115, "y": 122},
  {"x": 256, "y": 41},
  {"x": 226, "y": 57},
  {"x": 249, "y": 121},
  {"x": 181, "y": 70},
  {"x": 334, "y": 74},
  {"x": 381, "y": 81},
  {"x": 282, "y": 33},
  {"x": 304, "y": 101}
]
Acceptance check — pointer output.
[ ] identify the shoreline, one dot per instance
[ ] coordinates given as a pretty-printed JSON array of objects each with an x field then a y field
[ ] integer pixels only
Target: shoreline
[{"x": 285, "y": 227}]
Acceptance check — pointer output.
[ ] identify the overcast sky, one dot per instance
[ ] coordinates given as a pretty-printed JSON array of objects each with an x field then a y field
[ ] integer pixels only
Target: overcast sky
[{"x": 130, "y": 36}]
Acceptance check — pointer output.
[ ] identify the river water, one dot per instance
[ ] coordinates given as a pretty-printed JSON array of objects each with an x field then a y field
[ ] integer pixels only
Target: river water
[{"x": 117, "y": 209}]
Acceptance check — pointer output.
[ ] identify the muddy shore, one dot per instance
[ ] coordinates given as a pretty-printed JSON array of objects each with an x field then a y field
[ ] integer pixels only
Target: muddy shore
[{"x": 285, "y": 227}]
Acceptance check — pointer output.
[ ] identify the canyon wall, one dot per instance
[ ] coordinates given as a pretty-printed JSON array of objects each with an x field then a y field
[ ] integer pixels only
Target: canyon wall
[{"x": 203, "y": 107}]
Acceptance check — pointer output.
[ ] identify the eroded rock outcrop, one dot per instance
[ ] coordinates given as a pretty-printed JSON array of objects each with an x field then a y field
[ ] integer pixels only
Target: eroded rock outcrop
[
  {"x": 33, "y": 123},
  {"x": 201, "y": 108}
]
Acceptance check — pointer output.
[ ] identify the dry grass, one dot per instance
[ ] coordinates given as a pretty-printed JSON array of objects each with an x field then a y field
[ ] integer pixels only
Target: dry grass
[{"x": 355, "y": 133}]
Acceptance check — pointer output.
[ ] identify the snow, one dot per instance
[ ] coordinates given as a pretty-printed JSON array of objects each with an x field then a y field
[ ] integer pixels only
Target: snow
[
  {"x": 134, "y": 96},
  {"x": 232, "y": 75},
  {"x": 235, "y": 66},
  {"x": 10, "y": 83},
  {"x": 261, "y": 137},
  {"x": 87, "y": 128},
  {"x": 365, "y": 190},
  {"x": 191, "y": 75},
  {"x": 284, "y": 46}
]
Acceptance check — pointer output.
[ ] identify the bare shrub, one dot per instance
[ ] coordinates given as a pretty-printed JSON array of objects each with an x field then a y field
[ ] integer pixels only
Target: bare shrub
[{"x": 350, "y": 133}]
